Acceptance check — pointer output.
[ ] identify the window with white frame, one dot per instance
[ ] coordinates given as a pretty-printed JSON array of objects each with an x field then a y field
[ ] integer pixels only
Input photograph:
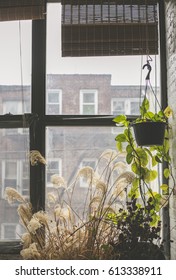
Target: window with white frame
[
  {"x": 54, "y": 166},
  {"x": 15, "y": 174},
  {"x": 118, "y": 107},
  {"x": 88, "y": 102},
  {"x": 54, "y": 102},
  {"x": 128, "y": 106},
  {"x": 9, "y": 231}
]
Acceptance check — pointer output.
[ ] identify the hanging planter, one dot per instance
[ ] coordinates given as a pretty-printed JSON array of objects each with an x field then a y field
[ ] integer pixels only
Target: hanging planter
[{"x": 149, "y": 133}]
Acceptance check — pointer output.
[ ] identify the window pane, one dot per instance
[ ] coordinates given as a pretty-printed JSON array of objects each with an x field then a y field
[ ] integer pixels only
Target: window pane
[
  {"x": 15, "y": 67},
  {"x": 88, "y": 97},
  {"x": 77, "y": 147},
  {"x": 14, "y": 173},
  {"x": 88, "y": 109}
]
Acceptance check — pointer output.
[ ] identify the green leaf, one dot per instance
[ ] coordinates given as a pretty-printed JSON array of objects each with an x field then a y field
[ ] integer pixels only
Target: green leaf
[
  {"x": 154, "y": 162},
  {"x": 120, "y": 138},
  {"x": 164, "y": 188},
  {"x": 150, "y": 175},
  {"x": 144, "y": 107},
  {"x": 119, "y": 146},
  {"x": 134, "y": 192},
  {"x": 129, "y": 149},
  {"x": 129, "y": 158},
  {"x": 120, "y": 119},
  {"x": 155, "y": 219},
  {"x": 135, "y": 168},
  {"x": 143, "y": 156},
  {"x": 150, "y": 115},
  {"x": 135, "y": 183},
  {"x": 166, "y": 173}
]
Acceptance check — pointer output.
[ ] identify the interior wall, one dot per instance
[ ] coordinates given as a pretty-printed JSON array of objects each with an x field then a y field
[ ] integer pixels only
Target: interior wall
[{"x": 170, "y": 11}]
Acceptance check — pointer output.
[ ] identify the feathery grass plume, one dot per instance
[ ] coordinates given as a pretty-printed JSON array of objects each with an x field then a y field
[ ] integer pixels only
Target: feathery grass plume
[
  {"x": 128, "y": 176},
  {"x": 30, "y": 253},
  {"x": 33, "y": 225},
  {"x": 24, "y": 211},
  {"x": 13, "y": 195},
  {"x": 109, "y": 154},
  {"x": 42, "y": 217},
  {"x": 79, "y": 228},
  {"x": 86, "y": 172},
  {"x": 120, "y": 166},
  {"x": 101, "y": 186},
  {"x": 51, "y": 199},
  {"x": 58, "y": 181},
  {"x": 26, "y": 240},
  {"x": 35, "y": 157}
]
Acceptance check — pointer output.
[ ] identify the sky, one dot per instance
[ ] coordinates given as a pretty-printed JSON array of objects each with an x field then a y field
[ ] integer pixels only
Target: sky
[{"x": 15, "y": 56}]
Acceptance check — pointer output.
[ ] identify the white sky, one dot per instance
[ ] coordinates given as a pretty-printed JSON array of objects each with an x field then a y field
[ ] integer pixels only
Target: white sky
[{"x": 125, "y": 70}]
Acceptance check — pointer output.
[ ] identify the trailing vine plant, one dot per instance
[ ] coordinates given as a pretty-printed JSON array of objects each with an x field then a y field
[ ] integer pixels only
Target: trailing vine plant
[{"x": 145, "y": 161}]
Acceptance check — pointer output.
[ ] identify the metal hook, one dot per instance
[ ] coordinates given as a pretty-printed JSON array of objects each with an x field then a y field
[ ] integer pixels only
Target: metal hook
[{"x": 149, "y": 67}]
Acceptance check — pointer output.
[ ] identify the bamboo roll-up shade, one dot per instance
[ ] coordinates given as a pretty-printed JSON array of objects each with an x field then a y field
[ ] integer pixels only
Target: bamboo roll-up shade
[
  {"x": 108, "y": 28},
  {"x": 22, "y": 9}
]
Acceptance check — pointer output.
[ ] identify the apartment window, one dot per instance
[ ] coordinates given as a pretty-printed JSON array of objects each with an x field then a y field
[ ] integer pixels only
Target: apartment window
[
  {"x": 54, "y": 104},
  {"x": 9, "y": 231},
  {"x": 15, "y": 173},
  {"x": 125, "y": 106},
  {"x": 134, "y": 107},
  {"x": 118, "y": 107},
  {"x": 53, "y": 167},
  {"x": 10, "y": 171},
  {"x": 88, "y": 102}
]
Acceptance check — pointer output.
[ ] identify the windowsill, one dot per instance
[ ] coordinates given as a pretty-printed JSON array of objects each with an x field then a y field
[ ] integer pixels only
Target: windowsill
[{"x": 10, "y": 250}]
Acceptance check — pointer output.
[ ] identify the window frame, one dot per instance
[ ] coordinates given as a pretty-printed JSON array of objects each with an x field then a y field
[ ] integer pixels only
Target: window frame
[
  {"x": 82, "y": 103},
  {"x": 41, "y": 121},
  {"x": 54, "y": 90}
]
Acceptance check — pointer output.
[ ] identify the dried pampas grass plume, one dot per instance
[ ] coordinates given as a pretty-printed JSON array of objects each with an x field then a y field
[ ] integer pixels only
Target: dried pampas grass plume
[
  {"x": 35, "y": 157},
  {"x": 12, "y": 195}
]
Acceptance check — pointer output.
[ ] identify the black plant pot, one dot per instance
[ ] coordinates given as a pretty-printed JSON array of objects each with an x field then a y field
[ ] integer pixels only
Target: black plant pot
[{"x": 149, "y": 133}]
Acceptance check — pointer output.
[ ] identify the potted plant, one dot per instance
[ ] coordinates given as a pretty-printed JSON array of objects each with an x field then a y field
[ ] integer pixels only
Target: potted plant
[
  {"x": 144, "y": 160},
  {"x": 138, "y": 238}
]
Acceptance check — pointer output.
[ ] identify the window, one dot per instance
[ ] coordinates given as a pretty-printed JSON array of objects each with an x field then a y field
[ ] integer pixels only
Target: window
[
  {"x": 15, "y": 173},
  {"x": 9, "y": 231},
  {"x": 61, "y": 89},
  {"x": 54, "y": 105},
  {"x": 125, "y": 106},
  {"x": 53, "y": 167},
  {"x": 118, "y": 107},
  {"x": 10, "y": 172},
  {"x": 88, "y": 102}
]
